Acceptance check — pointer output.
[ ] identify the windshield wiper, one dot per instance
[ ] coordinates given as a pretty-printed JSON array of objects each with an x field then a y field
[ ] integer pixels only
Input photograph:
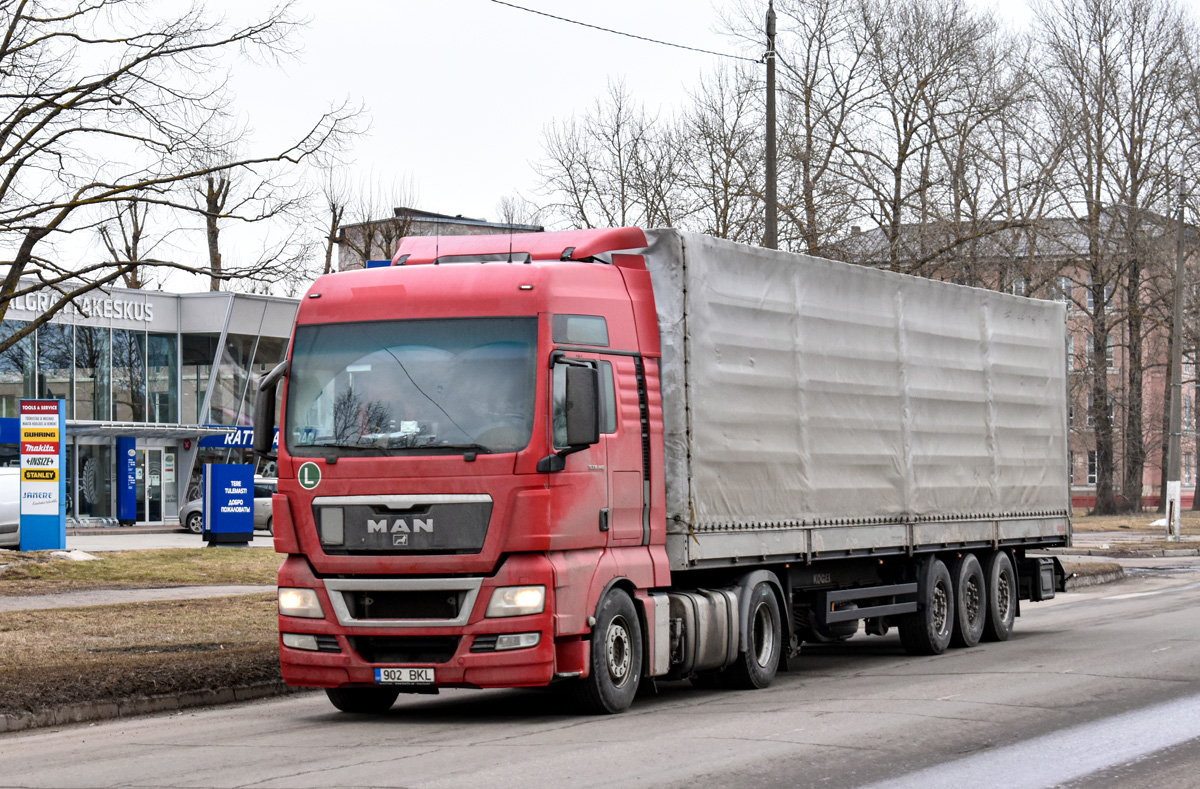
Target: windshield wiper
[
  {"x": 467, "y": 448},
  {"x": 353, "y": 447}
]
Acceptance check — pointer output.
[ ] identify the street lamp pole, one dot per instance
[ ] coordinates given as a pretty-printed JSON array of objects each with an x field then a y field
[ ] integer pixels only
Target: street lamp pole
[
  {"x": 1175, "y": 430},
  {"x": 771, "y": 236}
]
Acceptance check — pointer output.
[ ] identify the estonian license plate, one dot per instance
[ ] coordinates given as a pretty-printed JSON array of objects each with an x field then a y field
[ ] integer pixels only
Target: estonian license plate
[{"x": 404, "y": 676}]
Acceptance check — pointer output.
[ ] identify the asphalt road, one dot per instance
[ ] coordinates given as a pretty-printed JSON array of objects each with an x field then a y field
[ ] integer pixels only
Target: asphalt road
[{"x": 1097, "y": 688}]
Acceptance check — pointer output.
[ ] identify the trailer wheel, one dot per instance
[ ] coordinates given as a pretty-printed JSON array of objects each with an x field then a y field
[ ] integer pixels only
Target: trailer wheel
[
  {"x": 756, "y": 667},
  {"x": 970, "y": 598},
  {"x": 616, "y": 657},
  {"x": 927, "y": 631},
  {"x": 1001, "y": 598},
  {"x": 363, "y": 701}
]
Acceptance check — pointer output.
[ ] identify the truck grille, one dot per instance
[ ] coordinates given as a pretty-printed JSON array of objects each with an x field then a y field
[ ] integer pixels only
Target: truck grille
[
  {"x": 410, "y": 604},
  {"x": 417, "y": 525},
  {"x": 405, "y": 649},
  {"x": 403, "y": 602}
]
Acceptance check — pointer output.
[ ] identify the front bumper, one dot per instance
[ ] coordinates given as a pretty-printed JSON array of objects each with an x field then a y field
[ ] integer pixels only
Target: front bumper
[{"x": 456, "y": 665}]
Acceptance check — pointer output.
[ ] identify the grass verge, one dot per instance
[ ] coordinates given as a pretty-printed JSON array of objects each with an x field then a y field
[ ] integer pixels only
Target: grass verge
[
  {"x": 110, "y": 653},
  {"x": 1140, "y": 521},
  {"x": 39, "y": 573}
]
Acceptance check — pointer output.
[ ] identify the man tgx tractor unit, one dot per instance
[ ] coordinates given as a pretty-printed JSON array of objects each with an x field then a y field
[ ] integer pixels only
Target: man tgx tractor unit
[{"x": 594, "y": 457}]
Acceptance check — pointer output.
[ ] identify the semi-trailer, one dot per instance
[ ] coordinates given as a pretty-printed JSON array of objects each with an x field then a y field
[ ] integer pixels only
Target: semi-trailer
[{"x": 598, "y": 457}]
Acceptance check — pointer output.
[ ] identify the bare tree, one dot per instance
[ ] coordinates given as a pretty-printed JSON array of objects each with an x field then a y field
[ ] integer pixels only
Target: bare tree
[
  {"x": 924, "y": 63},
  {"x": 376, "y": 218},
  {"x": 722, "y": 154},
  {"x": 516, "y": 209},
  {"x": 106, "y": 100},
  {"x": 608, "y": 169},
  {"x": 824, "y": 86},
  {"x": 335, "y": 196},
  {"x": 125, "y": 239}
]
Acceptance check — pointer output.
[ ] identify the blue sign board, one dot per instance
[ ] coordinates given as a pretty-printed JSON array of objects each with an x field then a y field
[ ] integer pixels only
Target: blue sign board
[
  {"x": 10, "y": 430},
  {"x": 228, "y": 502},
  {"x": 43, "y": 431},
  {"x": 126, "y": 479},
  {"x": 236, "y": 437}
]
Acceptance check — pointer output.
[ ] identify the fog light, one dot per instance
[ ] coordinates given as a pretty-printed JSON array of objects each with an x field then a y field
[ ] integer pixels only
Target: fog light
[
  {"x": 518, "y": 641},
  {"x": 300, "y": 641},
  {"x": 333, "y": 531},
  {"x": 517, "y": 601},
  {"x": 300, "y": 602}
]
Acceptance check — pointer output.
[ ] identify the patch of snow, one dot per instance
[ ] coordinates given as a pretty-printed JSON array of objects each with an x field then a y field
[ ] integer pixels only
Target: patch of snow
[{"x": 74, "y": 555}]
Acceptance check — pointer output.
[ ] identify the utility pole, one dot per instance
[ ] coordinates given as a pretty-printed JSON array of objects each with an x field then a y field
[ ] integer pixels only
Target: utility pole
[
  {"x": 1174, "y": 487},
  {"x": 771, "y": 237}
]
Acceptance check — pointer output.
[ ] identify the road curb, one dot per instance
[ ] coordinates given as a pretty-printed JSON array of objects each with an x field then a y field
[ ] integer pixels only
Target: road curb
[
  {"x": 1089, "y": 573},
  {"x": 1123, "y": 553},
  {"x": 142, "y": 705},
  {"x": 1080, "y": 581}
]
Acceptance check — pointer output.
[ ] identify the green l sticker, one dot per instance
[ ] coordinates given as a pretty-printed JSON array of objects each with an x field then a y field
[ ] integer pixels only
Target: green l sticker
[{"x": 309, "y": 476}]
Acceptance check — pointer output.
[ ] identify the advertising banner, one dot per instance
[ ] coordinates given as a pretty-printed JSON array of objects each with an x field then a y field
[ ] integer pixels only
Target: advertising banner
[
  {"x": 43, "y": 483},
  {"x": 228, "y": 502}
]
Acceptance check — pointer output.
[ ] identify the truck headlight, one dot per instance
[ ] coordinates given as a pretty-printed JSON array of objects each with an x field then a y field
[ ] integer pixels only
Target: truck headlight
[
  {"x": 517, "y": 601},
  {"x": 300, "y": 602}
]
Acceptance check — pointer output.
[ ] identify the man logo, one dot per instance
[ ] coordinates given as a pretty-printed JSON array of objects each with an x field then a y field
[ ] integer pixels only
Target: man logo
[
  {"x": 400, "y": 526},
  {"x": 399, "y": 539}
]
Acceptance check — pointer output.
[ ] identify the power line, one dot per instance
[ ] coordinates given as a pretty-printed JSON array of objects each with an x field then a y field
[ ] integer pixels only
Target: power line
[{"x": 627, "y": 35}]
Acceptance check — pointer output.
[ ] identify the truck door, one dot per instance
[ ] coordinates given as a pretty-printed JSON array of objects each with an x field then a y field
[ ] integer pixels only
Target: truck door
[
  {"x": 585, "y": 511},
  {"x": 621, "y": 427}
]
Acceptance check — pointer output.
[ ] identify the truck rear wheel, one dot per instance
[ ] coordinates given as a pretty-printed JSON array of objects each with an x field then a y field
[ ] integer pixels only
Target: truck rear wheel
[
  {"x": 927, "y": 631},
  {"x": 616, "y": 655},
  {"x": 756, "y": 666},
  {"x": 1001, "y": 597},
  {"x": 368, "y": 701},
  {"x": 970, "y": 601}
]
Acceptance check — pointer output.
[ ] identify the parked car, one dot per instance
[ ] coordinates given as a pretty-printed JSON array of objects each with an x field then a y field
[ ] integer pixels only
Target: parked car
[
  {"x": 192, "y": 514},
  {"x": 10, "y": 507}
]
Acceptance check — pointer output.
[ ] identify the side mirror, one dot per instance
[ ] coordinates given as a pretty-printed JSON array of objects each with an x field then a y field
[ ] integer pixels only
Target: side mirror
[
  {"x": 583, "y": 406},
  {"x": 264, "y": 412},
  {"x": 581, "y": 412}
]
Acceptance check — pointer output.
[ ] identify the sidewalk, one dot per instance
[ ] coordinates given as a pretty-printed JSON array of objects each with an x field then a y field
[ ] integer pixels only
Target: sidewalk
[
  {"x": 1129, "y": 543},
  {"x": 117, "y": 596},
  {"x": 121, "y": 539}
]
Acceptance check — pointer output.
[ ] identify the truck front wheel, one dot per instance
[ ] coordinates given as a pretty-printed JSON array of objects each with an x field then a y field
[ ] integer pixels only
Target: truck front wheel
[
  {"x": 927, "y": 631},
  {"x": 616, "y": 656},
  {"x": 756, "y": 667},
  {"x": 369, "y": 701}
]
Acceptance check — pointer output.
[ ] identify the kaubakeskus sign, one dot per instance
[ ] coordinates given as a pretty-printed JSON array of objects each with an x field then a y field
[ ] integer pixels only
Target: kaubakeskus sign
[{"x": 88, "y": 306}]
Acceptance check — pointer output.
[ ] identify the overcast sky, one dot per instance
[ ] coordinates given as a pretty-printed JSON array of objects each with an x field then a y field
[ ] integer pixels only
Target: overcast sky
[{"x": 458, "y": 91}]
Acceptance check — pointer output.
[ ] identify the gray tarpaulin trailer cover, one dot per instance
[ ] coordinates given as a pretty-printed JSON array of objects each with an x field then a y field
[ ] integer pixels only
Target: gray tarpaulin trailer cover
[{"x": 815, "y": 409}]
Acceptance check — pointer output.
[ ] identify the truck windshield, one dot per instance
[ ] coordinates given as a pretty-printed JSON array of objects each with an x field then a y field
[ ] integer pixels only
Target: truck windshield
[{"x": 412, "y": 387}]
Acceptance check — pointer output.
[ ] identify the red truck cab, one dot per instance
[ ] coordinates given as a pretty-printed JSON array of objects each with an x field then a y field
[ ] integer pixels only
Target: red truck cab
[{"x": 440, "y": 529}]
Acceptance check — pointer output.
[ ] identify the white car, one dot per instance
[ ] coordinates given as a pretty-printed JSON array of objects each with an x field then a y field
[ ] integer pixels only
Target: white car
[
  {"x": 10, "y": 507},
  {"x": 191, "y": 516}
]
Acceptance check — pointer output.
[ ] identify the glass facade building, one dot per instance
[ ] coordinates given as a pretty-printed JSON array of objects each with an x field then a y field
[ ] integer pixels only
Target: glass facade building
[{"x": 168, "y": 379}]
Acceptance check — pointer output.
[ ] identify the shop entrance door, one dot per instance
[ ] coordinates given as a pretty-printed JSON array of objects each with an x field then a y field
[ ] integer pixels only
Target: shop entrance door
[{"x": 149, "y": 485}]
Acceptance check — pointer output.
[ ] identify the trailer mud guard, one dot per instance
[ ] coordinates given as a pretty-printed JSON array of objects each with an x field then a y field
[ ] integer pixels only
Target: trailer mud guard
[{"x": 1038, "y": 578}]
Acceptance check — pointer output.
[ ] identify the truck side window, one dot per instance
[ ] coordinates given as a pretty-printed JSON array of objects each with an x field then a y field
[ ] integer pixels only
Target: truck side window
[
  {"x": 581, "y": 329},
  {"x": 608, "y": 402}
]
